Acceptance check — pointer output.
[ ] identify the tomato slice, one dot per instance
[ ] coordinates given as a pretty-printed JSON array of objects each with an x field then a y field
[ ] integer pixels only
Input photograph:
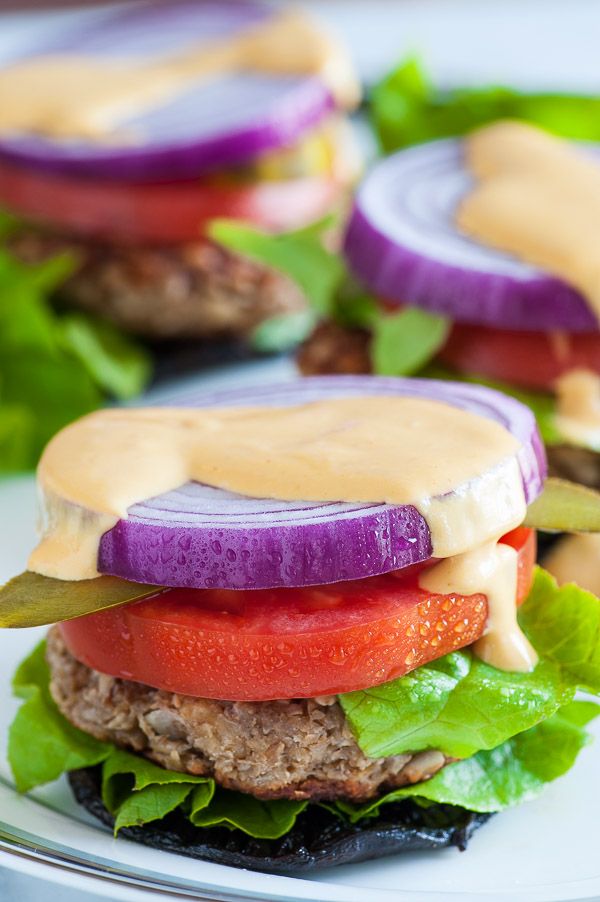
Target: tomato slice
[
  {"x": 525, "y": 359},
  {"x": 161, "y": 213},
  {"x": 284, "y": 643}
]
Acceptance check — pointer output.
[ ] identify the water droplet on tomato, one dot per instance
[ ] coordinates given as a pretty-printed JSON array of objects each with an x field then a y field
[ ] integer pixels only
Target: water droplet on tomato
[{"x": 337, "y": 656}]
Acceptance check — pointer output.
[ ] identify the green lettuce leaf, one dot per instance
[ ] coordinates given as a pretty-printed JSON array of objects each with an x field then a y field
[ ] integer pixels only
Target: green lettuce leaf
[
  {"x": 406, "y": 109},
  {"x": 563, "y": 623},
  {"x": 301, "y": 255},
  {"x": 150, "y": 804},
  {"x": 404, "y": 342},
  {"x": 42, "y": 744},
  {"x": 235, "y": 810},
  {"x": 116, "y": 364},
  {"x": 461, "y": 706},
  {"x": 124, "y": 772},
  {"x": 52, "y": 389},
  {"x": 456, "y": 704},
  {"x": 54, "y": 367},
  {"x": 514, "y": 772},
  {"x": 136, "y": 791},
  {"x": 17, "y": 429}
]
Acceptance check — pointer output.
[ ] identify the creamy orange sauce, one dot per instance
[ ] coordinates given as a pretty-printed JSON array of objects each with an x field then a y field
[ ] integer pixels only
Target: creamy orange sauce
[
  {"x": 75, "y": 96},
  {"x": 492, "y": 570},
  {"x": 384, "y": 449},
  {"x": 576, "y": 559},
  {"x": 457, "y": 468},
  {"x": 578, "y": 408},
  {"x": 537, "y": 197}
]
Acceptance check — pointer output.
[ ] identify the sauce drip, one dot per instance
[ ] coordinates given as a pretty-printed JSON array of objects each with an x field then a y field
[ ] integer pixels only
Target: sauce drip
[
  {"x": 492, "y": 570},
  {"x": 578, "y": 408},
  {"x": 537, "y": 197},
  {"x": 75, "y": 96}
]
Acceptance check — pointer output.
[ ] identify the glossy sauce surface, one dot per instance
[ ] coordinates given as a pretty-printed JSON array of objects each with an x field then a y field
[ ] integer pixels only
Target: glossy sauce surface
[
  {"x": 363, "y": 449},
  {"x": 537, "y": 197}
]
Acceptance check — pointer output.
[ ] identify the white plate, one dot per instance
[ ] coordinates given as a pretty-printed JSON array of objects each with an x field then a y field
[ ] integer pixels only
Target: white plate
[{"x": 545, "y": 850}]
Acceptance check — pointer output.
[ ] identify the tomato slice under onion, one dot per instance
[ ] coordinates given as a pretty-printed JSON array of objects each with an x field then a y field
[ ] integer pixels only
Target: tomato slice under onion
[
  {"x": 284, "y": 643},
  {"x": 525, "y": 359},
  {"x": 161, "y": 213}
]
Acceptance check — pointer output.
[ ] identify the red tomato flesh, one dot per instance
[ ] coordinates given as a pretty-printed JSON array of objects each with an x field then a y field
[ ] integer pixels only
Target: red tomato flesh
[
  {"x": 161, "y": 213},
  {"x": 284, "y": 643},
  {"x": 524, "y": 359}
]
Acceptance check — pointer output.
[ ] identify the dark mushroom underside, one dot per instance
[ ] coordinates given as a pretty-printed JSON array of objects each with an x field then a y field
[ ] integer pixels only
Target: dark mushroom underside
[{"x": 319, "y": 839}]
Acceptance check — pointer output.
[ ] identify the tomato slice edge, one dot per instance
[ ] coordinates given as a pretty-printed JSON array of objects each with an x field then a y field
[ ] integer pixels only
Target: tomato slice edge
[
  {"x": 407, "y": 627},
  {"x": 163, "y": 213},
  {"x": 530, "y": 360}
]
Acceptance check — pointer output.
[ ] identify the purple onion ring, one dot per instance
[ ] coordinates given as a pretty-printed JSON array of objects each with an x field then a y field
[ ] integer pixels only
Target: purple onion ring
[
  {"x": 224, "y": 122},
  {"x": 403, "y": 244}
]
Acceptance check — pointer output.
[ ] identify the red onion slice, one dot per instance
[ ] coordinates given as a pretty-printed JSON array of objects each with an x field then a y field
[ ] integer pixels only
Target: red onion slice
[
  {"x": 220, "y": 123},
  {"x": 403, "y": 244},
  {"x": 198, "y": 536}
]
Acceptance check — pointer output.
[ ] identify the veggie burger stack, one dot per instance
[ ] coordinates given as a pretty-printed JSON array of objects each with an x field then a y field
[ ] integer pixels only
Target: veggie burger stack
[
  {"x": 299, "y": 624},
  {"x": 124, "y": 137},
  {"x": 489, "y": 240}
]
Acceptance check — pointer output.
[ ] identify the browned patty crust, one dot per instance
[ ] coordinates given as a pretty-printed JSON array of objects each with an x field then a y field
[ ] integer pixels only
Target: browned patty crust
[
  {"x": 297, "y": 749},
  {"x": 334, "y": 349},
  {"x": 196, "y": 290}
]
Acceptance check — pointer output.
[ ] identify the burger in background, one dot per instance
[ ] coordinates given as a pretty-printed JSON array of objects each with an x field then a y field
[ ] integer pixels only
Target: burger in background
[
  {"x": 433, "y": 285},
  {"x": 121, "y": 142}
]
